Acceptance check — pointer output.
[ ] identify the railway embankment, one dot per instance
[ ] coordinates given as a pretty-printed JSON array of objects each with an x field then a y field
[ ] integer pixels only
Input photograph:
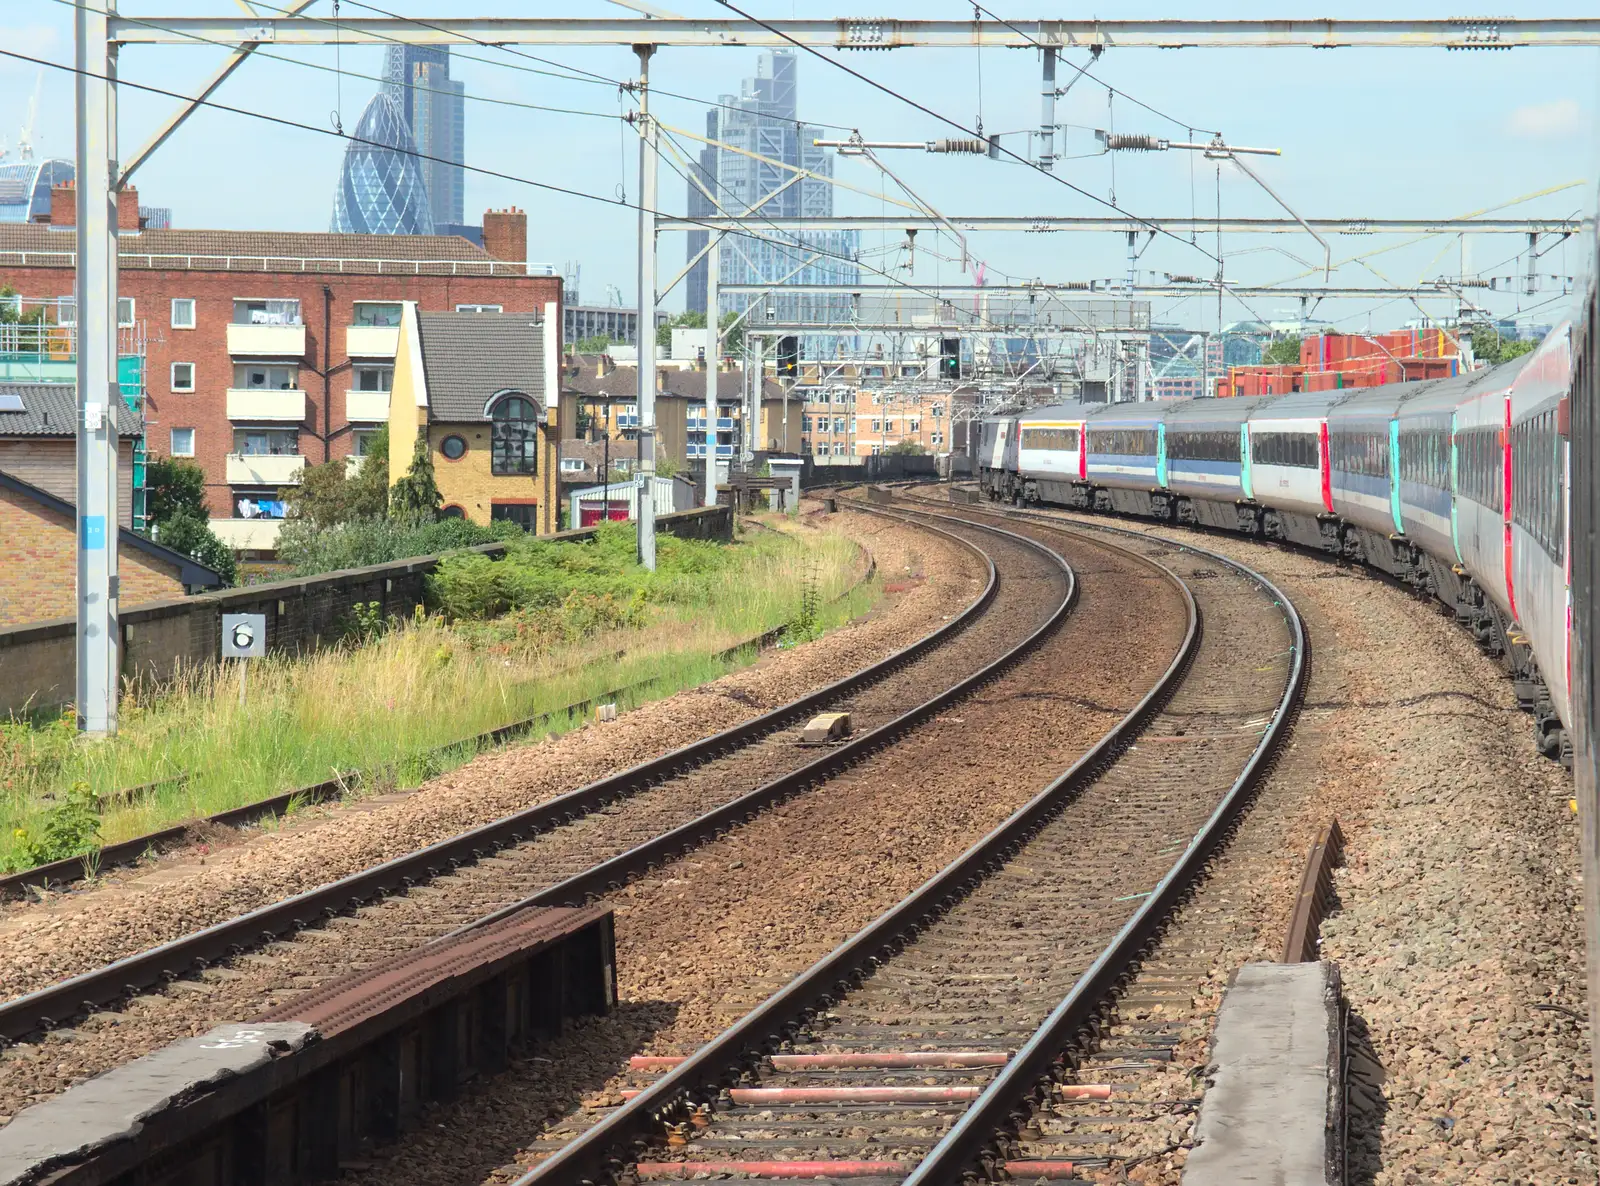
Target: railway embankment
[{"x": 1457, "y": 927}]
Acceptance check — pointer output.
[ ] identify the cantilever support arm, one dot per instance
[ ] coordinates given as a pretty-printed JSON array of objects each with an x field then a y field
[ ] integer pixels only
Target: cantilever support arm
[
  {"x": 1327, "y": 251},
  {"x": 234, "y": 60}
]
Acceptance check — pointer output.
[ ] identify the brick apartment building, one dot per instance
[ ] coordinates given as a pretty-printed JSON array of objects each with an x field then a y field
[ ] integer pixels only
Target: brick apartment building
[
  {"x": 268, "y": 350},
  {"x": 854, "y": 410}
]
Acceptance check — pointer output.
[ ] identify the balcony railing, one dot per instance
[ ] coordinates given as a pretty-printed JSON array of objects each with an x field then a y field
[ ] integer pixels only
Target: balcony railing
[
  {"x": 255, "y": 403},
  {"x": 372, "y": 341},
  {"x": 257, "y": 535},
  {"x": 267, "y": 341},
  {"x": 368, "y": 406},
  {"x": 265, "y": 469}
]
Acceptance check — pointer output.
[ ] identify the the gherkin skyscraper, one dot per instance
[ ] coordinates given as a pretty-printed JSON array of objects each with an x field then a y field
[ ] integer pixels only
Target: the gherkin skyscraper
[{"x": 381, "y": 190}]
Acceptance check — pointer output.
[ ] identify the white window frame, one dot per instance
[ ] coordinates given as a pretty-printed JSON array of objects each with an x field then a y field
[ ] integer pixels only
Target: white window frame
[
  {"x": 387, "y": 304},
  {"x": 63, "y": 305},
  {"x": 172, "y": 377},
  {"x": 292, "y": 369},
  {"x": 359, "y": 367},
  {"x": 480, "y": 309},
  {"x": 193, "y": 317},
  {"x": 132, "y": 312},
  {"x": 572, "y": 465},
  {"x": 360, "y": 439},
  {"x": 173, "y": 442}
]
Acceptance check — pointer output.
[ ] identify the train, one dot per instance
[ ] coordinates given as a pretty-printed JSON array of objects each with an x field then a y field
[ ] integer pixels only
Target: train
[{"x": 1458, "y": 487}]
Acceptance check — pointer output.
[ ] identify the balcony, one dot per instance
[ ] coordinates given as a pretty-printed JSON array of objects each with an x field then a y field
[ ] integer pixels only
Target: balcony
[
  {"x": 255, "y": 535},
  {"x": 372, "y": 341},
  {"x": 368, "y": 406},
  {"x": 267, "y": 341},
  {"x": 259, "y": 404},
  {"x": 265, "y": 469}
]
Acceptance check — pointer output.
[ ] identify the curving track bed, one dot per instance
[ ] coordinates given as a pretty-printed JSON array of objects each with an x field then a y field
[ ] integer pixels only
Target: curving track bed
[
  {"x": 904, "y": 1054},
  {"x": 593, "y": 839}
]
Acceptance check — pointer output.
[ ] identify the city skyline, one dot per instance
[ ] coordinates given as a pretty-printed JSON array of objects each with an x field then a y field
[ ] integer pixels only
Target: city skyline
[{"x": 763, "y": 120}]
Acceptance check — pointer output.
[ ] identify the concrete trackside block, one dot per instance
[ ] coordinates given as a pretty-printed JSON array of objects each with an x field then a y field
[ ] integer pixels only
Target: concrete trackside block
[
  {"x": 114, "y": 1106},
  {"x": 1273, "y": 1108}
]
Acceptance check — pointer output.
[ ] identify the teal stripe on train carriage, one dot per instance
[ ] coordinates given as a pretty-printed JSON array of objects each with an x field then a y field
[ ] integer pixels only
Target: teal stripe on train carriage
[
  {"x": 1394, "y": 476},
  {"x": 1161, "y": 456},
  {"x": 1246, "y": 480}
]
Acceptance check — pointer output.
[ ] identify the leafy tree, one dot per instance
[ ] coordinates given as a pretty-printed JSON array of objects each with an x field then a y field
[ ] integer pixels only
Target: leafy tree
[
  {"x": 173, "y": 487},
  {"x": 1283, "y": 352},
  {"x": 175, "y": 508},
  {"x": 329, "y": 493},
  {"x": 689, "y": 320},
  {"x": 906, "y": 448},
  {"x": 598, "y": 344},
  {"x": 416, "y": 496},
  {"x": 191, "y": 534},
  {"x": 666, "y": 465},
  {"x": 732, "y": 341},
  {"x": 1490, "y": 347}
]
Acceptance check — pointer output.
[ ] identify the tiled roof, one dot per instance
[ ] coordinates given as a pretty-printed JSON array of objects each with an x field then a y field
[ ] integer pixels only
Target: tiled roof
[
  {"x": 51, "y": 410},
  {"x": 468, "y": 357},
  {"x": 263, "y": 251}
]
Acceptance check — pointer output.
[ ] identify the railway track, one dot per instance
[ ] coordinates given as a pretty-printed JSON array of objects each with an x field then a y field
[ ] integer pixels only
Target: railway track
[
  {"x": 570, "y": 850},
  {"x": 916, "y": 1051}
]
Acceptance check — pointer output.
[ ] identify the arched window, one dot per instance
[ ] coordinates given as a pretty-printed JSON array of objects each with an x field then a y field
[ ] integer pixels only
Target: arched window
[{"x": 515, "y": 435}]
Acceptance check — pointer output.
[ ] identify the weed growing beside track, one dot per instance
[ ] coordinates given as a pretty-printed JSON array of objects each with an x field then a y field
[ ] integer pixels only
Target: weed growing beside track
[{"x": 549, "y": 625}]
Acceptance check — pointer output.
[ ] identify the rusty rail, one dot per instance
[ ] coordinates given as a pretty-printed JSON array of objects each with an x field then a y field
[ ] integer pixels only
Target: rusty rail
[{"x": 1312, "y": 904}]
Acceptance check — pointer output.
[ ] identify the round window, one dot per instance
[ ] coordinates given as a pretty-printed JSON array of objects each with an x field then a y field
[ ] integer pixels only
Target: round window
[
  {"x": 453, "y": 447},
  {"x": 452, "y": 513}
]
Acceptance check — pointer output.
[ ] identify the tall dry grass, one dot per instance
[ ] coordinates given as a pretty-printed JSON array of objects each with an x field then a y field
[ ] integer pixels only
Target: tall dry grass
[{"x": 394, "y": 707}]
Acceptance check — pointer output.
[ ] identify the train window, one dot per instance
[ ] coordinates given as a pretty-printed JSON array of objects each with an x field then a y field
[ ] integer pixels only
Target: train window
[
  {"x": 1425, "y": 457},
  {"x": 1297, "y": 450},
  {"x": 1480, "y": 467},
  {"x": 1203, "y": 446},
  {"x": 1537, "y": 478},
  {"x": 1123, "y": 442},
  {"x": 1058, "y": 439},
  {"x": 1365, "y": 453}
]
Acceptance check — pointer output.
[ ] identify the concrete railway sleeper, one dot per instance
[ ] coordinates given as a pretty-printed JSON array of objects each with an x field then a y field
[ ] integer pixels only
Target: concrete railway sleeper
[
  {"x": 910, "y": 1052},
  {"x": 610, "y": 830}
]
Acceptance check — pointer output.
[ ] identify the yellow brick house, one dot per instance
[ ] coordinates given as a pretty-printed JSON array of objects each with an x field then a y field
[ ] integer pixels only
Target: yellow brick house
[{"x": 485, "y": 389}]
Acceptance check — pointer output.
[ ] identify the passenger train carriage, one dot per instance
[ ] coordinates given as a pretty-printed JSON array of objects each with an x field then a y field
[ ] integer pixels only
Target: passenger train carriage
[{"x": 1456, "y": 486}]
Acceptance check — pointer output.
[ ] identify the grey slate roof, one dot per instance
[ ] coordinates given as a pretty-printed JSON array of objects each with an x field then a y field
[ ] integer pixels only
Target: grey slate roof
[
  {"x": 468, "y": 357},
  {"x": 51, "y": 410}
]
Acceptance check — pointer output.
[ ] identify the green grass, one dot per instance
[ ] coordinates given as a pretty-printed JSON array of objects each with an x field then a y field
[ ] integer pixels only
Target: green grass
[{"x": 395, "y": 705}]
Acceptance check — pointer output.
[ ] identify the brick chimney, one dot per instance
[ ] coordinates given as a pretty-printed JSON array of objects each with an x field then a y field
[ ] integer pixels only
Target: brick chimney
[
  {"x": 64, "y": 206},
  {"x": 128, "y": 209},
  {"x": 505, "y": 235}
]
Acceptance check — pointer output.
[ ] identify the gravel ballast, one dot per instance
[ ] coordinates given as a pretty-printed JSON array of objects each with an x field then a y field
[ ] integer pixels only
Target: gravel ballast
[
  {"x": 71, "y": 933},
  {"x": 1458, "y": 930}
]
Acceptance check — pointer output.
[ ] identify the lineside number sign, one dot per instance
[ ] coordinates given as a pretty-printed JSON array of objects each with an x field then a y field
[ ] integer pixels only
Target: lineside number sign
[{"x": 244, "y": 636}]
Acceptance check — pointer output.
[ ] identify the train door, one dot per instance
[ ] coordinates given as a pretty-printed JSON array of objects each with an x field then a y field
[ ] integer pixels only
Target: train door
[
  {"x": 1246, "y": 480},
  {"x": 1161, "y": 456},
  {"x": 1394, "y": 476}
]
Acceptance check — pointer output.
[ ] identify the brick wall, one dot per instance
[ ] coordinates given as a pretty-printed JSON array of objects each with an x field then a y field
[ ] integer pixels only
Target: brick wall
[
  {"x": 39, "y": 565},
  {"x": 470, "y": 483},
  {"x": 37, "y": 659},
  {"x": 51, "y": 463},
  {"x": 325, "y": 433}
]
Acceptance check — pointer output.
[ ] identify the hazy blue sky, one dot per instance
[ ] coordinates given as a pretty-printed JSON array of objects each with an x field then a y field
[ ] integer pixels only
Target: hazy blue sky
[{"x": 1364, "y": 133}]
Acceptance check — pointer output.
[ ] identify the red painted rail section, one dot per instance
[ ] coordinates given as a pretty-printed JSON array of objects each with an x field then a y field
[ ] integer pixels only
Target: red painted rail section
[{"x": 288, "y": 1097}]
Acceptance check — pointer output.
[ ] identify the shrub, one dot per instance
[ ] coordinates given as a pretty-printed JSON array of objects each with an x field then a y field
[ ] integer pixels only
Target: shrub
[
  {"x": 71, "y": 828},
  {"x": 191, "y": 534},
  {"x": 309, "y": 549}
]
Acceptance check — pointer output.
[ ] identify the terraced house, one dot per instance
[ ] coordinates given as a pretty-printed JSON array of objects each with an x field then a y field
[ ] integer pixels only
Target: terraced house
[
  {"x": 267, "y": 351},
  {"x": 483, "y": 390}
]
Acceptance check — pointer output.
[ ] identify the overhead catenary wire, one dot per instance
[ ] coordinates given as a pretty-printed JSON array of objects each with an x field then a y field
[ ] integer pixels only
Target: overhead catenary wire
[
  {"x": 1083, "y": 72},
  {"x": 1149, "y": 224},
  {"x": 351, "y": 137},
  {"x": 344, "y": 73}
]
